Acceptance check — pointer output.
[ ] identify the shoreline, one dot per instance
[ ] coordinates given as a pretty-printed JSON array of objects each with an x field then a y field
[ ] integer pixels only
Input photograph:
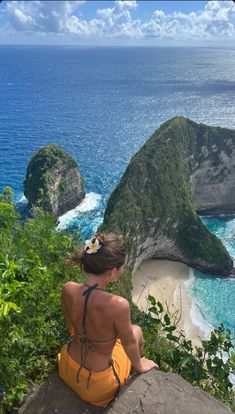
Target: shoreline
[{"x": 168, "y": 282}]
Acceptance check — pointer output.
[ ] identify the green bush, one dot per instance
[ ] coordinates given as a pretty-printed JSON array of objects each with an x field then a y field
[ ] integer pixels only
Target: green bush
[
  {"x": 7, "y": 195},
  {"x": 204, "y": 366},
  {"x": 32, "y": 271}
]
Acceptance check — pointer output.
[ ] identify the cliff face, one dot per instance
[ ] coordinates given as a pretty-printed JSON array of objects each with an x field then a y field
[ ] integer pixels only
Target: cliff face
[
  {"x": 183, "y": 168},
  {"x": 212, "y": 170},
  {"x": 53, "y": 181}
]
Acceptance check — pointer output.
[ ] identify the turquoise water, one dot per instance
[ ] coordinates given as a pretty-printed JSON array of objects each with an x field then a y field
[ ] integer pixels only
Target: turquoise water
[{"x": 215, "y": 296}]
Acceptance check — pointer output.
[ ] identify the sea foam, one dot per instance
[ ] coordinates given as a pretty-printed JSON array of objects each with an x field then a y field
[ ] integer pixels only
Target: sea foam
[
  {"x": 196, "y": 314},
  {"x": 22, "y": 200},
  {"x": 89, "y": 203}
]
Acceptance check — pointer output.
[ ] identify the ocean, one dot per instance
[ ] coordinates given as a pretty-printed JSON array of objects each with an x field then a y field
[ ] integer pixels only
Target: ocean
[
  {"x": 101, "y": 105},
  {"x": 213, "y": 296}
]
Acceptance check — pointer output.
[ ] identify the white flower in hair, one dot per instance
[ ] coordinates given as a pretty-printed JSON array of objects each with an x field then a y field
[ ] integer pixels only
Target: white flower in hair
[{"x": 92, "y": 246}]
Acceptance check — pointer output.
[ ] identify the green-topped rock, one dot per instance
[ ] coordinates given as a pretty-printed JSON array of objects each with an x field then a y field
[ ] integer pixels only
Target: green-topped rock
[
  {"x": 53, "y": 181},
  {"x": 184, "y": 168}
]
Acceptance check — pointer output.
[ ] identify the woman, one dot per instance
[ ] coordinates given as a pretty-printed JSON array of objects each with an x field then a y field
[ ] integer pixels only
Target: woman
[{"x": 104, "y": 347}]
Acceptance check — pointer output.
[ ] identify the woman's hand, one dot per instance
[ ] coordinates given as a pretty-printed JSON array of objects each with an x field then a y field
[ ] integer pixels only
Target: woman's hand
[{"x": 146, "y": 365}]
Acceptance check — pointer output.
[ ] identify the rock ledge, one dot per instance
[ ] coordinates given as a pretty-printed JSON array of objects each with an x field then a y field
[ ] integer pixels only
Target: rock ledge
[{"x": 155, "y": 392}]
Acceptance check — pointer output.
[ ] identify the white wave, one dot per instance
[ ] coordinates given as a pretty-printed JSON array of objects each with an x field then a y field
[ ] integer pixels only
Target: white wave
[
  {"x": 200, "y": 321},
  {"x": 89, "y": 203},
  {"x": 23, "y": 200},
  {"x": 191, "y": 278},
  {"x": 196, "y": 315}
]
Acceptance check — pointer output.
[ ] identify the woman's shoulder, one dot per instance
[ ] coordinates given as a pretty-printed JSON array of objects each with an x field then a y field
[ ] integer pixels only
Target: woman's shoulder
[
  {"x": 120, "y": 303},
  {"x": 70, "y": 284},
  {"x": 69, "y": 288}
]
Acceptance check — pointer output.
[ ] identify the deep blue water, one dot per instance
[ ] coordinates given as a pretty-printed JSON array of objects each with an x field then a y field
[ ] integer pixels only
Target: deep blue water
[{"x": 101, "y": 105}]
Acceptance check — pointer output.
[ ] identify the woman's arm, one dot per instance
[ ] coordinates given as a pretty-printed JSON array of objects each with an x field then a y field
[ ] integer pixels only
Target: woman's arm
[
  {"x": 65, "y": 298},
  {"x": 122, "y": 324}
]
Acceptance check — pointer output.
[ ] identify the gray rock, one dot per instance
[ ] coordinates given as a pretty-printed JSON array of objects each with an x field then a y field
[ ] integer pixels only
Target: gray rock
[
  {"x": 158, "y": 392},
  {"x": 213, "y": 184},
  {"x": 155, "y": 392},
  {"x": 55, "y": 397}
]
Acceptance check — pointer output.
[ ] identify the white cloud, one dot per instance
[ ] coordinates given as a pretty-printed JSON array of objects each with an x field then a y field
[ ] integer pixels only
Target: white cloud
[
  {"x": 215, "y": 21},
  {"x": 117, "y": 21},
  {"x": 46, "y": 16},
  {"x": 212, "y": 5}
]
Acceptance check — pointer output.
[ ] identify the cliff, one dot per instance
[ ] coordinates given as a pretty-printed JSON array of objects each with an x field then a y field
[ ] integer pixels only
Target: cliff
[
  {"x": 184, "y": 168},
  {"x": 155, "y": 392},
  {"x": 53, "y": 181}
]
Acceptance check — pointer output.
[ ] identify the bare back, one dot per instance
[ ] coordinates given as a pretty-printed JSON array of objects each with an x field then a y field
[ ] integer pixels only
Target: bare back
[{"x": 100, "y": 323}]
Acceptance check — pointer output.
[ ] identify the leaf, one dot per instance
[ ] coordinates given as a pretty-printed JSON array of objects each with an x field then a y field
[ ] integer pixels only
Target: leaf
[
  {"x": 185, "y": 361},
  {"x": 160, "y": 307},
  {"x": 6, "y": 307},
  {"x": 169, "y": 328},
  {"x": 152, "y": 300},
  {"x": 172, "y": 337},
  {"x": 153, "y": 310},
  {"x": 167, "y": 319}
]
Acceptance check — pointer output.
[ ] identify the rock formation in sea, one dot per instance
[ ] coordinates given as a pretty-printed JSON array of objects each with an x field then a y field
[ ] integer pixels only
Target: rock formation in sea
[
  {"x": 184, "y": 168},
  {"x": 53, "y": 181}
]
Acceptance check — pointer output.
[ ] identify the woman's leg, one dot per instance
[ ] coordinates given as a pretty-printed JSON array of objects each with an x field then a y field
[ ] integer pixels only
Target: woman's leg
[{"x": 137, "y": 331}]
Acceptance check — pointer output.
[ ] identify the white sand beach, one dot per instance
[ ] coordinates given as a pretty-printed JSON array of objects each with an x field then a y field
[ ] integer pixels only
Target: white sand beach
[{"x": 167, "y": 282}]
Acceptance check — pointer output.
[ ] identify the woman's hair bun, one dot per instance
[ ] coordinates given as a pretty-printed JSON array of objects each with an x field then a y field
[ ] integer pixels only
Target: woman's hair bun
[{"x": 99, "y": 254}]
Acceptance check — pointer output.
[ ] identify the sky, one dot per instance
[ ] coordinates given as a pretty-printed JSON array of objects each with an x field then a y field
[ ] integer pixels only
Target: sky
[{"x": 118, "y": 23}]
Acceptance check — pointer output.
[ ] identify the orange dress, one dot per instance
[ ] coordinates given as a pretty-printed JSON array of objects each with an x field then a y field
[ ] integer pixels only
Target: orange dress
[{"x": 96, "y": 387}]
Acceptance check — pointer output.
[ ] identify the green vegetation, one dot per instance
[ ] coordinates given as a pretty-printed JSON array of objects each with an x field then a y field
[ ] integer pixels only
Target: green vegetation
[
  {"x": 203, "y": 366},
  {"x": 32, "y": 328},
  {"x": 154, "y": 197},
  {"x": 32, "y": 272},
  {"x": 7, "y": 195},
  {"x": 63, "y": 186}
]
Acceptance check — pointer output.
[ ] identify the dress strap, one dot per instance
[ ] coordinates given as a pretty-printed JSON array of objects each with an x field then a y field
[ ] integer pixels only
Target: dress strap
[
  {"x": 87, "y": 293},
  {"x": 97, "y": 288},
  {"x": 86, "y": 343},
  {"x": 111, "y": 361}
]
